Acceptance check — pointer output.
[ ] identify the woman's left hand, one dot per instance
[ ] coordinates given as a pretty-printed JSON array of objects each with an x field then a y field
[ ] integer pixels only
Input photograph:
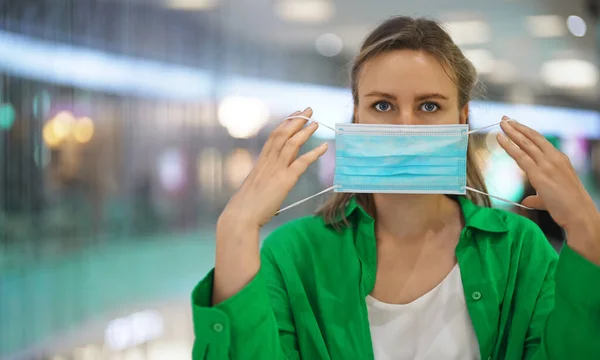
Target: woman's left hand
[{"x": 559, "y": 190}]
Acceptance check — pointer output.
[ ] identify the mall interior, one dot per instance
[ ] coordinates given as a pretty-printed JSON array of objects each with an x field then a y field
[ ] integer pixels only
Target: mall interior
[{"x": 126, "y": 126}]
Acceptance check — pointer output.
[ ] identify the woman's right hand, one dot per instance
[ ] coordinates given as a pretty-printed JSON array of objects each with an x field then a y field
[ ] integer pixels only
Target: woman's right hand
[{"x": 274, "y": 175}]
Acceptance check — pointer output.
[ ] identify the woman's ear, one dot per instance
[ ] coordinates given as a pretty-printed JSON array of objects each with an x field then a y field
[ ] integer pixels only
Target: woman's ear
[{"x": 463, "y": 116}]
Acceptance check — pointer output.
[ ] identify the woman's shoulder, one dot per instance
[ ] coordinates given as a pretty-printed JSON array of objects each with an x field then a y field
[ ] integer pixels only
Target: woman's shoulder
[
  {"x": 524, "y": 237},
  {"x": 516, "y": 222}
]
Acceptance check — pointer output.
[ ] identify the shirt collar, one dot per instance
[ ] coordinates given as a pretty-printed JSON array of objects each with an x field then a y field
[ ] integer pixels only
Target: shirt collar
[
  {"x": 478, "y": 217},
  {"x": 481, "y": 218},
  {"x": 353, "y": 206}
]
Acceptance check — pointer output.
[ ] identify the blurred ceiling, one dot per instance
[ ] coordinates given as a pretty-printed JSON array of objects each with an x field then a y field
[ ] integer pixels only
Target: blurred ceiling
[
  {"x": 517, "y": 54},
  {"x": 506, "y": 39}
]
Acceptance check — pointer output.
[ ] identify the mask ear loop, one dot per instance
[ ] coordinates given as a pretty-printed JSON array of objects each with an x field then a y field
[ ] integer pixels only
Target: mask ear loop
[
  {"x": 482, "y": 128},
  {"x": 486, "y": 127},
  {"x": 313, "y": 120},
  {"x": 499, "y": 198},
  {"x": 304, "y": 200}
]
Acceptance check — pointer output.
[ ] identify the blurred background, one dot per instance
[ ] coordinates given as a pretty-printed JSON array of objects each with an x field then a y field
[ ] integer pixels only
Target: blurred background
[{"x": 125, "y": 126}]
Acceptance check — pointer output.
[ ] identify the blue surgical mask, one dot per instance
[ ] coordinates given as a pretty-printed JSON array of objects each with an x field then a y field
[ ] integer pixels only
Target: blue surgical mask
[
  {"x": 400, "y": 159},
  {"x": 407, "y": 159}
]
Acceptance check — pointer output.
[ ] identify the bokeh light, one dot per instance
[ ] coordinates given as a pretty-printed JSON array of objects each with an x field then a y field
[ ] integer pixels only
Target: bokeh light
[
  {"x": 50, "y": 138},
  {"x": 329, "y": 45},
  {"x": 503, "y": 178},
  {"x": 171, "y": 170},
  {"x": 194, "y": 5},
  {"x": 306, "y": 11},
  {"x": 243, "y": 117},
  {"x": 469, "y": 32},
  {"x": 546, "y": 25},
  {"x": 237, "y": 166},
  {"x": 130, "y": 331},
  {"x": 570, "y": 73},
  {"x": 7, "y": 116},
  {"x": 491, "y": 142},
  {"x": 84, "y": 130},
  {"x": 576, "y": 26},
  {"x": 482, "y": 59},
  {"x": 62, "y": 124}
]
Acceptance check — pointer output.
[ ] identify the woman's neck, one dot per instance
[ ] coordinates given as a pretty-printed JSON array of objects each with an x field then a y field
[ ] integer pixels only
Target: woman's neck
[{"x": 411, "y": 216}]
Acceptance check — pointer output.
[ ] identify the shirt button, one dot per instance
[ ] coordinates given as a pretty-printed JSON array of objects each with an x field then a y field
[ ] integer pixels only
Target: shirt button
[
  {"x": 476, "y": 295},
  {"x": 218, "y": 327}
]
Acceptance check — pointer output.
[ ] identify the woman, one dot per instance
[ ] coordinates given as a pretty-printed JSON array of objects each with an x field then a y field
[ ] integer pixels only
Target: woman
[{"x": 403, "y": 276}]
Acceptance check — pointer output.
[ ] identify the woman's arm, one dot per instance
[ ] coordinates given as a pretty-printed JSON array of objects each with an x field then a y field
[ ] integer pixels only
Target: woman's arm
[
  {"x": 254, "y": 323},
  {"x": 566, "y": 320},
  {"x": 565, "y": 323},
  {"x": 234, "y": 317}
]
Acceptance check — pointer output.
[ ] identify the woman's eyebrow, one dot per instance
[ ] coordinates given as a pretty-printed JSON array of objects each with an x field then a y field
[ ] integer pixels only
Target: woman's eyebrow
[
  {"x": 418, "y": 97},
  {"x": 382, "y": 94},
  {"x": 431, "y": 96}
]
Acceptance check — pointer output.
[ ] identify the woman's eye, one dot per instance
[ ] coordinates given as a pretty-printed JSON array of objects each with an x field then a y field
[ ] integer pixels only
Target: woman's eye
[
  {"x": 429, "y": 107},
  {"x": 382, "y": 106}
]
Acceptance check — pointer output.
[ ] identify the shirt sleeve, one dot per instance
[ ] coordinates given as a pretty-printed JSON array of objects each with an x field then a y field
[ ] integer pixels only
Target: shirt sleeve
[
  {"x": 566, "y": 319},
  {"x": 255, "y": 323}
]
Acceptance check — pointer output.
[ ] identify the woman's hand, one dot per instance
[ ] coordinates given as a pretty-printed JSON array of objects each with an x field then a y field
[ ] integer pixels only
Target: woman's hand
[
  {"x": 559, "y": 190},
  {"x": 274, "y": 175}
]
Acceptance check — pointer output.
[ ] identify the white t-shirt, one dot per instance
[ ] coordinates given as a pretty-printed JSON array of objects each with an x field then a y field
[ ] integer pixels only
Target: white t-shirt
[{"x": 436, "y": 326}]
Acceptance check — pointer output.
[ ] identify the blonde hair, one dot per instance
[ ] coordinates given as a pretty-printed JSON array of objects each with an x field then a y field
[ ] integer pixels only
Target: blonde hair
[{"x": 399, "y": 33}]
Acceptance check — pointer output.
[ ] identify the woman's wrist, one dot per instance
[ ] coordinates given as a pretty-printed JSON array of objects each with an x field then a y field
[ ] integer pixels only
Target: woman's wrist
[
  {"x": 237, "y": 256},
  {"x": 583, "y": 236},
  {"x": 236, "y": 224}
]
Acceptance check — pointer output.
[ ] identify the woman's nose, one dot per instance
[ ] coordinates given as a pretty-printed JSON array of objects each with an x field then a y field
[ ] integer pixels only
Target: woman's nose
[{"x": 406, "y": 118}]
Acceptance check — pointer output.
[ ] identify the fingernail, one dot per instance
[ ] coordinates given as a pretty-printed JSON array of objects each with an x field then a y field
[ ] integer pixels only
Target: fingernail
[
  {"x": 305, "y": 110},
  {"x": 505, "y": 118},
  {"x": 324, "y": 145}
]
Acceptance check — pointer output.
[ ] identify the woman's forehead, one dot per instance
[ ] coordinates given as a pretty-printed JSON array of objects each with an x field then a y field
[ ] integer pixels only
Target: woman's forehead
[{"x": 404, "y": 72}]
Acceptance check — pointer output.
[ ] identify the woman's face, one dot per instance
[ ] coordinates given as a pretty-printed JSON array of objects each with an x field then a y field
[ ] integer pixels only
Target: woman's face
[{"x": 407, "y": 87}]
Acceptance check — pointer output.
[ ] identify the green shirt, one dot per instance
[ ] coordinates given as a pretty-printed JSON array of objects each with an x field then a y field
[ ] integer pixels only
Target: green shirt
[{"x": 308, "y": 299}]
